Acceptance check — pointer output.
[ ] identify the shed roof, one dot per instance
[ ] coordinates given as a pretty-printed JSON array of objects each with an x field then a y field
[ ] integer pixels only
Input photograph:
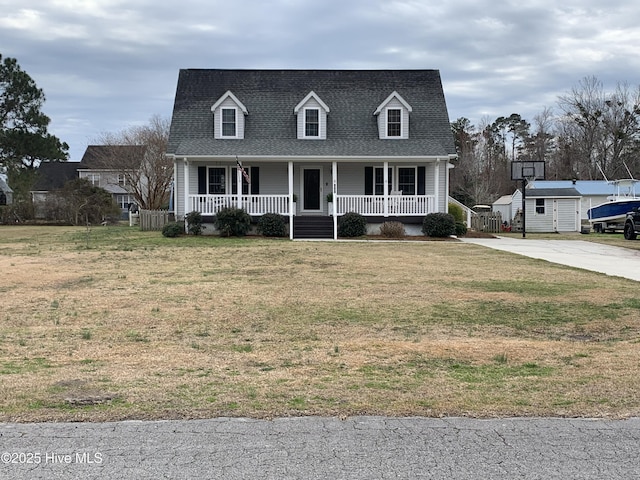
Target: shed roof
[
  {"x": 585, "y": 187},
  {"x": 553, "y": 192}
]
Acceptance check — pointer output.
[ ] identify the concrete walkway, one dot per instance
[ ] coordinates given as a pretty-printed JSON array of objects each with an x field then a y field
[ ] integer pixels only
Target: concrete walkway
[
  {"x": 310, "y": 448},
  {"x": 616, "y": 261}
]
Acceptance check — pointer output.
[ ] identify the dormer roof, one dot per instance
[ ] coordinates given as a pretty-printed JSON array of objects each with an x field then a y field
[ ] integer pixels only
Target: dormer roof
[
  {"x": 394, "y": 95},
  {"x": 306, "y": 99},
  {"x": 235, "y": 100}
]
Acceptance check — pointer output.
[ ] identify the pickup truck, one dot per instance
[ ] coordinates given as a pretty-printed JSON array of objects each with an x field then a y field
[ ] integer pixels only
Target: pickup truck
[{"x": 632, "y": 224}]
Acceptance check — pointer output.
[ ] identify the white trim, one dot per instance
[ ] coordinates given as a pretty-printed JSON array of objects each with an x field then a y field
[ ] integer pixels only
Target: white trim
[
  {"x": 309, "y": 96},
  {"x": 230, "y": 95},
  {"x": 391, "y": 97}
]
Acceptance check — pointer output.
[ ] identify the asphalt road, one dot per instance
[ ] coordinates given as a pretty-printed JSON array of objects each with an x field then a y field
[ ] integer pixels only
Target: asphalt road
[
  {"x": 355, "y": 448},
  {"x": 324, "y": 448}
]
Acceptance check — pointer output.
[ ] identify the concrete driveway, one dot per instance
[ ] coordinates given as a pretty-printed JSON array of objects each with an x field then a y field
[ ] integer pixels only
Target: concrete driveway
[{"x": 615, "y": 261}]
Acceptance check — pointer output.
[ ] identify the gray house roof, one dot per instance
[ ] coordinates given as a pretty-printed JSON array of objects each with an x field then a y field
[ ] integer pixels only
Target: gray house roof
[
  {"x": 53, "y": 175},
  {"x": 270, "y": 97}
]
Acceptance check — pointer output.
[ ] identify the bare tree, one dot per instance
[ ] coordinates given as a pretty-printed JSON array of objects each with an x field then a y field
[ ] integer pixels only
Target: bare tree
[{"x": 146, "y": 170}]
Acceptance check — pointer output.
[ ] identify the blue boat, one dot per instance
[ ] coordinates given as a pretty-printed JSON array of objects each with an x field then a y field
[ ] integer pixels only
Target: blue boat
[{"x": 617, "y": 205}]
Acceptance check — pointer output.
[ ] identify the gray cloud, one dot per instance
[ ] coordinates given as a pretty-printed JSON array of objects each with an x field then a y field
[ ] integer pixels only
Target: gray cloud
[{"x": 105, "y": 65}]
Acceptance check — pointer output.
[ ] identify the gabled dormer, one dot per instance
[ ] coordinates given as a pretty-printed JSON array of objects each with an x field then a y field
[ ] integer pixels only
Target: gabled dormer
[
  {"x": 312, "y": 118},
  {"x": 393, "y": 117},
  {"x": 228, "y": 117}
]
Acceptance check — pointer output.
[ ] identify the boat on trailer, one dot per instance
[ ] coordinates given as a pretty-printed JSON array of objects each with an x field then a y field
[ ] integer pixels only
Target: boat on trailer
[{"x": 611, "y": 214}]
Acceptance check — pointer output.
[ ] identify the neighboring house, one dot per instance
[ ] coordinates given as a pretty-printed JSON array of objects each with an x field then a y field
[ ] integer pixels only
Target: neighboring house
[
  {"x": 379, "y": 141},
  {"x": 508, "y": 206},
  {"x": 99, "y": 165},
  {"x": 552, "y": 210},
  {"x": 593, "y": 192},
  {"x": 52, "y": 176},
  {"x": 6, "y": 193}
]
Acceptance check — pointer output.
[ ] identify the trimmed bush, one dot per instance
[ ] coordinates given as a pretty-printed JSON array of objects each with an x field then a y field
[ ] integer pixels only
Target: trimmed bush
[
  {"x": 272, "y": 225},
  {"x": 456, "y": 211},
  {"x": 439, "y": 225},
  {"x": 461, "y": 229},
  {"x": 352, "y": 224},
  {"x": 232, "y": 222},
  {"x": 173, "y": 229},
  {"x": 392, "y": 230},
  {"x": 194, "y": 223}
]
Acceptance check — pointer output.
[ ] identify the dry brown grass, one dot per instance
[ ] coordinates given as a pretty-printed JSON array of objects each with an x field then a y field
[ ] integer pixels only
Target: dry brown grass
[{"x": 113, "y": 323}]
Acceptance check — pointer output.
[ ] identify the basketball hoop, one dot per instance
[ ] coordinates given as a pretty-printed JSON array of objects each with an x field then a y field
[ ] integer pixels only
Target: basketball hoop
[{"x": 526, "y": 172}]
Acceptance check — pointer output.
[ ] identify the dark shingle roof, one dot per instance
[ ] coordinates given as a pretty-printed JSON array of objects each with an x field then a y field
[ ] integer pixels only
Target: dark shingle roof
[
  {"x": 271, "y": 95},
  {"x": 53, "y": 175},
  {"x": 112, "y": 156}
]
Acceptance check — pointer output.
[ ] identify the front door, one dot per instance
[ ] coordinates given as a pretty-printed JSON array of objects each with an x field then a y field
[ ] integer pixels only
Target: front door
[{"x": 311, "y": 184}]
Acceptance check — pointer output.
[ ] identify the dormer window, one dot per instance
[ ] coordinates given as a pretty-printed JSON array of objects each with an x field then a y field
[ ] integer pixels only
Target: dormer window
[
  {"x": 227, "y": 120},
  {"x": 311, "y": 122},
  {"x": 393, "y": 117},
  {"x": 312, "y": 118},
  {"x": 394, "y": 122}
]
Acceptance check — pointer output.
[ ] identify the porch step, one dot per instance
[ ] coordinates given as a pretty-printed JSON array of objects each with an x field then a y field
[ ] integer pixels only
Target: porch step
[{"x": 313, "y": 227}]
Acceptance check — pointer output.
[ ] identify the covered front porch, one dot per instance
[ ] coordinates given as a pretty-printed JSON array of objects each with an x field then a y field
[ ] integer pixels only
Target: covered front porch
[{"x": 374, "y": 189}]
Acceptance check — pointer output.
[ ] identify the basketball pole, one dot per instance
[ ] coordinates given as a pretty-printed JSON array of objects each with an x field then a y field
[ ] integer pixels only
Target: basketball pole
[{"x": 524, "y": 211}]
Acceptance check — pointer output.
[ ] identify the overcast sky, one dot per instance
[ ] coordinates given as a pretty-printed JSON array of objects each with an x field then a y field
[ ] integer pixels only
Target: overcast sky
[{"x": 105, "y": 65}]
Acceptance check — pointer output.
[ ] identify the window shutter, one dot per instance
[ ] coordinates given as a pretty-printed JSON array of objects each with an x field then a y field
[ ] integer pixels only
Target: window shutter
[
  {"x": 422, "y": 173},
  {"x": 255, "y": 180},
  {"x": 368, "y": 180},
  {"x": 202, "y": 180}
]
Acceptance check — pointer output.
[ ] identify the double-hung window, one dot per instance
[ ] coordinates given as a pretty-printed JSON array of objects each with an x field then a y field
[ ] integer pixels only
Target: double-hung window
[
  {"x": 539, "y": 206},
  {"x": 217, "y": 181},
  {"x": 407, "y": 180},
  {"x": 378, "y": 186},
  {"x": 311, "y": 122},
  {"x": 228, "y": 122},
  {"x": 394, "y": 122}
]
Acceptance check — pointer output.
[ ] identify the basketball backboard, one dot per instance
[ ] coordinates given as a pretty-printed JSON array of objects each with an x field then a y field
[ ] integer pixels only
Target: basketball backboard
[{"x": 531, "y": 170}]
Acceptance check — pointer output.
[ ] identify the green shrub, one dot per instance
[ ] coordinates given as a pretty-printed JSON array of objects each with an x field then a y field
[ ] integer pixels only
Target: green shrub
[
  {"x": 232, "y": 222},
  {"x": 173, "y": 229},
  {"x": 461, "y": 229},
  {"x": 457, "y": 212},
  {"x": 272, "y": 225},
  {"x": 392, "y": 230},
  {"x": 194, "y": 223},
  {"x": 439, "y": 225},
  {"x": 352, "y": 224}
]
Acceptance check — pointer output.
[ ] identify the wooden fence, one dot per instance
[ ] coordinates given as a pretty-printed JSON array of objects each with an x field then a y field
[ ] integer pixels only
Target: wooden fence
[
  {"x": 490, "y": 222},
  {"x": 153, "y": 219}
]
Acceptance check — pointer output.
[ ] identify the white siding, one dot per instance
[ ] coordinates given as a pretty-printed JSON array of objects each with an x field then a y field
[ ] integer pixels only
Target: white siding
[
  {"x": 561, "y": 215},
  {"x": 567, "y": 215}
]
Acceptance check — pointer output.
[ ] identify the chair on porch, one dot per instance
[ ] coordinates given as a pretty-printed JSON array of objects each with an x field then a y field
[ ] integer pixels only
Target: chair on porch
[{"x": 394, "y": 200}]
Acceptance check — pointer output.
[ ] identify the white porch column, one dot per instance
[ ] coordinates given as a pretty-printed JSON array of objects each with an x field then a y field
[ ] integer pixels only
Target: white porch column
[
  {"x": 290, "y": 200},
  {"x": 239, "y": 187},
  {"x": 186, "y": 186},
  {"x": 385, "y": 176},
  {"x": 436, "y": 182},
  {"x": 334, "y": 191}
]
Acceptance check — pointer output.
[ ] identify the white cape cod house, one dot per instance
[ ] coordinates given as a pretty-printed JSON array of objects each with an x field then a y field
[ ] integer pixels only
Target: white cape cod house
[{"x": 379, "y": 141}]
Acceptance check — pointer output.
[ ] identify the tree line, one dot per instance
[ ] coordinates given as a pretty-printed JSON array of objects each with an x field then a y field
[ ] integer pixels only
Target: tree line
[{"x": 591, "y": 135}]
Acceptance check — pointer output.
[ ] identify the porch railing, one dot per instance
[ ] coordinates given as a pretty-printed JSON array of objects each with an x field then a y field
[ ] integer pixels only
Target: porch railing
[
  {"x": 252, "y": 204},
  {"x": 398, "y": 205}
]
